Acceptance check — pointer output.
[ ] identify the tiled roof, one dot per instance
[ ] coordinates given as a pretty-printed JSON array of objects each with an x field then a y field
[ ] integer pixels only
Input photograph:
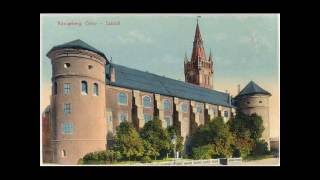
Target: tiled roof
[
  {"x": 252, "y": 88},
  {"x": 148, "y": 82},
  {"x": 78, "y": 44}
]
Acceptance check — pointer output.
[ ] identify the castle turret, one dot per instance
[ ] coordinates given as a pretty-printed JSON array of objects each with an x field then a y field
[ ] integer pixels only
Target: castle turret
[
  {"x": 77, "y": 101},
  {"x": 253, "y": 99}
]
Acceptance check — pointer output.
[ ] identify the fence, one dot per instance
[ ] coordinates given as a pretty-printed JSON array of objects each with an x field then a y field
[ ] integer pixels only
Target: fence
[{"x": 201, "y": 162}]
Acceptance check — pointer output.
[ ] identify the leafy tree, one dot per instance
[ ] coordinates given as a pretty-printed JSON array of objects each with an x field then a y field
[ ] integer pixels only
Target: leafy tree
[
  {"x": 179, "y": 144},
  {"x": 256, "y": 126},
  {"x": 260, "y": 148},
  {"x": 215, "y": 133},
  {"x": 149, "y": 150},
  {"x": 128, "y": 142},
  {"x": 157, "y": 137},
  {"x": 202, "y": 152}
]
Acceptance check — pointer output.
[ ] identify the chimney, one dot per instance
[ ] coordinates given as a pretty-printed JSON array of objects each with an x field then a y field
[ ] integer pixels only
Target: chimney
[
  {"x": 238, "y": 88},
  {"x": 113, "y": 74}
]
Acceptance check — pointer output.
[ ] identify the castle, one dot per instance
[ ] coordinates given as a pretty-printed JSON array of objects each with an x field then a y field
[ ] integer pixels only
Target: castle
[{"x": 91, "y": 96}]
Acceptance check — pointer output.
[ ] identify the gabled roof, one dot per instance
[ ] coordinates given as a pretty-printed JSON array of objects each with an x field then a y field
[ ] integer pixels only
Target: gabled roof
[
  {"x": 78, "y": 44},
  {"x": 148, "y": 82},
  {"x": 252, "y": 88}
]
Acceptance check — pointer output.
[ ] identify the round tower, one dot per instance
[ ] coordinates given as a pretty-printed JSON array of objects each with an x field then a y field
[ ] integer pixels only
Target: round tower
[
  {"x": 77, "y": 101},
  {"x": 253, "y": 99}
]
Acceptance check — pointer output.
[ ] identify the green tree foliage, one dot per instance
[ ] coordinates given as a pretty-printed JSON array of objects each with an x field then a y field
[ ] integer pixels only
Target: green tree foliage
[
  {"x": 179, "y": 144},
  {"x": 260, "y": 148},
  {"x": 215, "y": 133},
  {"x": 100, "y": 157},
  {"x": 247, "y": 130},
  {"x": 128, "y": 142},
  {"x": 202, "y": 152},
  {"x": 157, "y": 137}
]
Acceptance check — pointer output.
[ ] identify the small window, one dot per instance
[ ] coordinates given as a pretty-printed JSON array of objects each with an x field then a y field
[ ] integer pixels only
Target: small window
[
  {"x": 147, "y": 102},
  {"x": 168, "y": 120},
  {"x": 84, "y": 88},
  {"x": 166, "y": 105},
  {"x": 123, "y": 117},
  {"x": 199, "y": 109},
  {"x": 55, "y": 88},
  {"x": 90, "y": 67},
  {"x": 66, "y": 65},
  {"x": 184, "y": 107},
  {"x": 95, "y": 89},
  {"x": 248, "y": 102},
  {"x": 63, "y": 153},
  {"x": 66, "y": 88},
  {"x": 67, "y": 109},
  {"x": 226, "y": 114},
  {"x": 122, "y": 98},
  {"x": 260, "y": 101},
  {"x": 147, "y": 118},
  {"x": 67, "y": 128}
]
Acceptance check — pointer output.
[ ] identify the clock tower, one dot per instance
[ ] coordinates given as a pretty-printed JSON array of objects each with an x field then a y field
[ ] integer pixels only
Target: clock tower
[{"x": 199, "y": 70}]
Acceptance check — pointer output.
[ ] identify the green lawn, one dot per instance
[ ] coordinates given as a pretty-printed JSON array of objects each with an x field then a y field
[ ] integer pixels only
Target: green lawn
[{"x": 250, "y": 158}]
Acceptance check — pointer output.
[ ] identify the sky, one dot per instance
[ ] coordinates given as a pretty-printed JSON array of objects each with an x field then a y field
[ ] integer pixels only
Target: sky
[{"x": 245, "y": 47}]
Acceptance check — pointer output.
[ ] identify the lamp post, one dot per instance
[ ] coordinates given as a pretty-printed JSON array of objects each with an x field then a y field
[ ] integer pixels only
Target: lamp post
[{"x": 174, "y": 142}]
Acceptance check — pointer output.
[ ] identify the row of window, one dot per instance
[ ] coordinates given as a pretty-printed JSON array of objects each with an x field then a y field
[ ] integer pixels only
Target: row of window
[
  {"x": 68, "y": 65},
  {"x": 84, "y": 88}
]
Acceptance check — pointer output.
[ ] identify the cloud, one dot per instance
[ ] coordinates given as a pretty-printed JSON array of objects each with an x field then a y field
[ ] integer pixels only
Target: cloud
[{"x": 135, "y": 36}]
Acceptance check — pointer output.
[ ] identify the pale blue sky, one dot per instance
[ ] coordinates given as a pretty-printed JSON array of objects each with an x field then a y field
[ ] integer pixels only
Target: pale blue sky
[{"x": 245, "y": 47}]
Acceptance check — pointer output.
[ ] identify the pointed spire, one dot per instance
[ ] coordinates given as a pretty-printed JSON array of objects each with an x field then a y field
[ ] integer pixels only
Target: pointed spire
[{"x": 197, "y": 36}]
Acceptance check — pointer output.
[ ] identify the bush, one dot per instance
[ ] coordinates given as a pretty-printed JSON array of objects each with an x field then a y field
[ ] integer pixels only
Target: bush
[
  {"x": 145, "y": 159},
  {"x": 260, "y": 148},
  {"x": 100, "y": 157},
  {"x": 202, "y": 152}
]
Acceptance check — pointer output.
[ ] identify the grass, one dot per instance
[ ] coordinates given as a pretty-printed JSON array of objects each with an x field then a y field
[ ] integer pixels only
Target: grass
[{"x": 251, "y": 158}]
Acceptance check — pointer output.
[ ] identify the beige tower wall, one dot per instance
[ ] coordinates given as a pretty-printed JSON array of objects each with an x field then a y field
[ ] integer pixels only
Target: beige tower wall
[
  {"x": 87, "y": 111},
  {"x": 258, "y": 104}
]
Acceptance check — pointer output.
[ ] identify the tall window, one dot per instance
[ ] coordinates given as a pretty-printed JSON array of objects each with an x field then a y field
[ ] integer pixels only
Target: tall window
[
  {"x": 67, "y": 128},
  {"x": 199, "y": 109},
  {"x": 95, "y": 89},
  {"x": 168, "y": 120},
  {"x": 184, "y": 107},
  {"x": 67, "y": 108},
  {"x": 123, "y": 117},
  {"x": 66, "y": 88},
  {"x": 147, "y": 117},
  {"x": 226, "y": 114},
  {"x": 122, "y": 98},
  {"x": 147, "y": 102},
  {"x": 55, "y": 88},
  {"x": 166, "y": 105},
  {"x": 63, "y": 153},
  {"x": 84, "y": 87}
]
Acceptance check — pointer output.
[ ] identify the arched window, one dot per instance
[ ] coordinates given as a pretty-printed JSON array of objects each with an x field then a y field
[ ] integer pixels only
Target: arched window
[
  {"x": 122, "y": 98},
  {"x": 166, "y": 104},
  {"x": 95, "y": 89},
  {"x": 55, "y": 88},
  {"x": 147, "y": 102},
  {"x": 63, "y": 153},
  {"x": 84, "y": 87},
  {"x": 184, "y": 107}
]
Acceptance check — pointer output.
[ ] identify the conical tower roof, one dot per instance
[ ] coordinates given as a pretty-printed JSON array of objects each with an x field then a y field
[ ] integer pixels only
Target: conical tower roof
[
  {"x": 78, "y": 44},
  {"x": 252, "y": 88}
]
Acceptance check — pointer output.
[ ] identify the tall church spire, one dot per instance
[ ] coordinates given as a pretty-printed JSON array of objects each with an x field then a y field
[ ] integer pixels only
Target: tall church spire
[{"x": 199, "y": 70}]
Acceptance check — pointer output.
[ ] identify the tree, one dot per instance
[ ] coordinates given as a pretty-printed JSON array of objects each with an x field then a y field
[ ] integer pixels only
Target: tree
[
  {"x": 247, "y": 130},
  {"x": 215, "y": 133},
  {"x": 179, "y": 144},
  {"x": 128, "y": 142},
  {"x": 202, "y": 152},
  {"x": 157, "y": 137}
]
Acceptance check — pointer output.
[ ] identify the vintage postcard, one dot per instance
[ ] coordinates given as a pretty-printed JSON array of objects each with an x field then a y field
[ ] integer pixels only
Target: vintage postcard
[{"x": 160, "y": 89}]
